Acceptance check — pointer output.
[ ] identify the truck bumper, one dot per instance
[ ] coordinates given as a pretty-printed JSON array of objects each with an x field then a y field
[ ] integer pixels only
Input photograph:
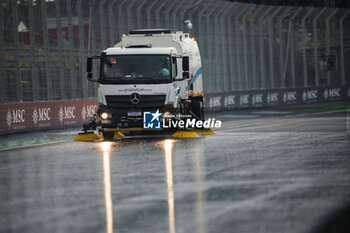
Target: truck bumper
[{"x": 128, "y": 118}]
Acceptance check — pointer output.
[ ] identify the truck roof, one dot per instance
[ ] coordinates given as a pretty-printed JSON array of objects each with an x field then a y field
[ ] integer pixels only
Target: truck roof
[
  {"x": 154, "y": 41},
  {"x": 149, "y": 31},
  {"x": 144, "y": 50}
]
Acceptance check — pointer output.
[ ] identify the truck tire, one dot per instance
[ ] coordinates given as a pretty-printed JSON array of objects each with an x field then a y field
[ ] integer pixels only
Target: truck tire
[
  {"x": 201, "y": 111},
  {"x": 198, "y": 110}
]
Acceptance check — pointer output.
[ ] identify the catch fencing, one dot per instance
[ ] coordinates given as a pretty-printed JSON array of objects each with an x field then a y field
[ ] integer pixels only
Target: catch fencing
[{"x": 244, "y": 47}]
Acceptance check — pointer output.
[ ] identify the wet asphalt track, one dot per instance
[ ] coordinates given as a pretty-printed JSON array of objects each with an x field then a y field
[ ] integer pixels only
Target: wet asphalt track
[{"x": 264, "y": 171}]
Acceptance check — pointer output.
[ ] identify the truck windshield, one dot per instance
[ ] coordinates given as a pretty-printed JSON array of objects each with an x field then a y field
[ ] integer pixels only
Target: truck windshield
[{"x": 130, "y": 69}]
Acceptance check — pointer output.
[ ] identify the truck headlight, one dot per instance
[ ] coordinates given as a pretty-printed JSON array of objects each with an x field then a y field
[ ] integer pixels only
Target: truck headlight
[{"x": 104, "y": 115}]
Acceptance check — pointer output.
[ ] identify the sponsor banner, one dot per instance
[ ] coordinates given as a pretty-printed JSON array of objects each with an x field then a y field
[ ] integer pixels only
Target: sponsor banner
[
  {"x": 330, "y": 94},
  {"x": 230, "y": 101},
  {"x": 290, "y": 97},
  {"x": 258, "y": 99},
  {"x": 45, "y": 115},
  {"x": 273, "y": 98},
  {"x": 214, "y": 101},
  {"x": 276, "y": 97},
  {"x": 244, "y": 100},
  {"x": 310, "y": 96}
]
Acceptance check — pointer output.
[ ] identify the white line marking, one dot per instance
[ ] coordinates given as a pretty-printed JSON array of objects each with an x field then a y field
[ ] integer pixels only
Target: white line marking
[
  {"x": 348, "y": 120},
  {"x": 29, "y": 146}
]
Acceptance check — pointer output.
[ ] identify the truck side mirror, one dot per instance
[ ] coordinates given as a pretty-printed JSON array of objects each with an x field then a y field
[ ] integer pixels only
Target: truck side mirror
[
  {"x": 91, "y": 69},
  {"x": 185, "y": 75},
  {"x": 89, "y": 65},
  {"x": 185, "y": 67},
  {"x": 185, "y": 64}
]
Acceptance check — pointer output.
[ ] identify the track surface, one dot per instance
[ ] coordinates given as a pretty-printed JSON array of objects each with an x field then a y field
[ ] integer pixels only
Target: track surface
[{"x": 264, "y": 171}]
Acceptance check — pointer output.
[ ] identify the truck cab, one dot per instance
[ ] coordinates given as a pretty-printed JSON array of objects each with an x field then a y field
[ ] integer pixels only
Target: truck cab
[{"x": 148, "y": 70}]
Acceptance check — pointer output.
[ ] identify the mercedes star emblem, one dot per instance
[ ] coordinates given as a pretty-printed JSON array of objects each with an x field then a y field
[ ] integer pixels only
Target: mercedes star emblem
[{"x": 135, "y": 98}]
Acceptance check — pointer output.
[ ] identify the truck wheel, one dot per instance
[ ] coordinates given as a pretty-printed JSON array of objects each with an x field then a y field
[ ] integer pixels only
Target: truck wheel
[
  {"x": 198, "y": 110},
  {"x": 201, "y": 111}
]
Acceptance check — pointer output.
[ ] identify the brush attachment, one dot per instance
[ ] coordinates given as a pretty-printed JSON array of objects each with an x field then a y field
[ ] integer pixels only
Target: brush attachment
[
  {"x": 118, "y": 135},
  {"x": 185, "y": 134},
  {"x": 88, "y": 136}
]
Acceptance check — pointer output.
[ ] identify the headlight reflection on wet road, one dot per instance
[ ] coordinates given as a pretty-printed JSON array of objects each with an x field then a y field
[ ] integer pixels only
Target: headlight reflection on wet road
[
  {"x": 106, "y": 146},
  {"x": 198, "y": 178},
  {"x": 168, "y": 143},
  {"x": 168, "y": 152}
]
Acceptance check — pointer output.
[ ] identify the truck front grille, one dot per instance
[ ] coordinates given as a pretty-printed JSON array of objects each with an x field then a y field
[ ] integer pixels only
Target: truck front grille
[{"x": 146, "y": 101}]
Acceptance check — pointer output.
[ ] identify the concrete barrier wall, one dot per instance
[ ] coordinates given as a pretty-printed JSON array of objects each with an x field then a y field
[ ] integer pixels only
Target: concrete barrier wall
[
  {"x": 19, "y": 117},
  {"x": 275, "y": 97}
]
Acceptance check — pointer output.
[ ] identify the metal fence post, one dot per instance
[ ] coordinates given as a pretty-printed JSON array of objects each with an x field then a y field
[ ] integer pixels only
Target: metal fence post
[
  {"x": 200, "y": 25},
  {"x": 343, "y": 81},
  {"x": 158, "y": 12},
  {"x": 168, "y": 13},
  {"x": 238, "y": 47},
  {"x": 2, "y": 69},
  {"x": 328, "y": 41},
  {"x": 149, "y": 12},
  {"x": 261, "y": 49},
  {"x": 304, "y": 45},
  {"x": 225, "y": 46},
  {"x": 121, "y": 27},
  {"x": 19, "y": 88},
  {"x": 247, "y": 83},
  {"x": 281, "y": 39},
  {"x": 92, "y": 43},
  {"x": 139, "y": 14},
  {"x": 46, "y": 49},
  {"x": 174, "y": 14},
  {"x": 271, "y": 55},
  {"x": 72, "y": 64},
  {"x": 59, "y": 51},
  {"x": 317, "y": 81},
  {"x": 219, "y": 56},
  {"x": 91, "y": 40},
  {"x": 110, "y": 29},
  {"x": 102, "y": 24},
  {"x": 213, "y": 44},
  {"x": 292, "y": 58},
  {"x": 130, "y": 5},
  {"x": 111, "y": 21},
  {"x": 253, "y": 47},
  {"x": 231, "y": 37},
  {"x": 82, "y": 53},
  {"x": 203, "y": 28}
]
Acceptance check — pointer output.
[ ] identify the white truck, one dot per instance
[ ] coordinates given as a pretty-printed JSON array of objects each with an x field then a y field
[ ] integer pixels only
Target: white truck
[{"x": 148, "y": 70}]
